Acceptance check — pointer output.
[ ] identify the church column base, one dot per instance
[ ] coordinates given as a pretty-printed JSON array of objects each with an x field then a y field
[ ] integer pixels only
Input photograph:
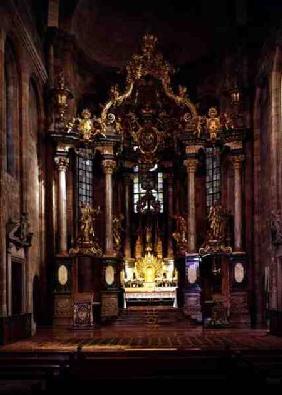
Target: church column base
[
  {"x": 192, "y": 305},
  {"x": 239, "y": 309},
  {"x": 275, "y": 322},
  {"x": 63, "y": 310},
  {"x": 239, "y": 312},
  {"x": 109, "y": 305}
]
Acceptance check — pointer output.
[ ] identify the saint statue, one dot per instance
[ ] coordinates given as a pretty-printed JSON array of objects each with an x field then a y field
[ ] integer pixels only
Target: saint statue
[
  {"x": 117, "y": 230},
  {"x": 180, "y": 235},
  {"x": 148, "y": 238},
  {"x": 86, "y": 243},
  {"x": 217, "y": 221},
  {"x": 86, "y": 224},
  {"x": 87, "y": 231}
]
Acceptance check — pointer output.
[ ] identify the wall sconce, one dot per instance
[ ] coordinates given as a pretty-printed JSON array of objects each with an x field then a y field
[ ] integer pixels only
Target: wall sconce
[
  {"x": 235, "y": 94},
  {"x": 61, "y": 97}
]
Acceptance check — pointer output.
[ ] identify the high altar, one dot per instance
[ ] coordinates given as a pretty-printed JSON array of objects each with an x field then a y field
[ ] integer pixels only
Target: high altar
[{"x": 146, "y": 210}]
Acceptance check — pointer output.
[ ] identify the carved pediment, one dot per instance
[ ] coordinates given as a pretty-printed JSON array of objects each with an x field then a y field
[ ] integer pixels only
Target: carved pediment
[{"x": 149, "y": 102}]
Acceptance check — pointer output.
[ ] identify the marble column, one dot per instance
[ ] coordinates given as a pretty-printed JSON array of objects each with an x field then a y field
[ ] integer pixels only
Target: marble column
[
  {"x": 237, "y": 164},
  {"x": 191, "y": 165},
  {"x": 62, "y": 164},
  {"x": 109, "y": 166},
  {"x": 127, "y": 248},
  {"x": 170, "y": 214}
]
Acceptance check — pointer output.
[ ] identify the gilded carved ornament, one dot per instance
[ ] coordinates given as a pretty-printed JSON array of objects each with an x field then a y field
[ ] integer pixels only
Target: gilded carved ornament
[
  {"x": 87, "y": 126},
  {"x": 149, "y": 62}
]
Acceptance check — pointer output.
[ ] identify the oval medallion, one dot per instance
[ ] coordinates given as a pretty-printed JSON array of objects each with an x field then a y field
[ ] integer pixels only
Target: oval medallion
[
  {"x": 239, "y": 272},
  {"x": 63, "y": 275},
  {"x": 109, "y": 275}
]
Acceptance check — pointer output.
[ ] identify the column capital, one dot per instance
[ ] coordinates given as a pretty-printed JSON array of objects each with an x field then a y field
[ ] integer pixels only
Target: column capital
[
  {"x": 108, "y": 166},
  {"x": 193, "y": 149},
  {"x": 61, "y": 162},
  {"x": 237, "y": 160},
  {"x": 191, "y": 164}
]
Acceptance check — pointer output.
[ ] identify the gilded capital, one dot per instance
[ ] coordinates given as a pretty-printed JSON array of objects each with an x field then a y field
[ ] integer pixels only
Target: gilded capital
[
  {"x": 191, "y": 164},
  {"x": 62, "y": 163},
  {"x": 109, "y": 166}
]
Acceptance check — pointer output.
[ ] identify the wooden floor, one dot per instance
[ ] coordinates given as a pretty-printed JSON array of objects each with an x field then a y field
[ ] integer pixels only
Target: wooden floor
[
  {"x": 146, "y": 337},
  {"x": 141, "y": 346},
  {"x": 58, "y": 359}
]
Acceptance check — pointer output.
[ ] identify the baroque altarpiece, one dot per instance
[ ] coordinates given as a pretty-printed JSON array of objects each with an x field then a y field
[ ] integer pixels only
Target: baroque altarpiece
[{"x": 141, "y": 190}]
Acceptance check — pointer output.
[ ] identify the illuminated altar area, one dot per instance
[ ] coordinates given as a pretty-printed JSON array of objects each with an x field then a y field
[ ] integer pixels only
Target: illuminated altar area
[
  {"x": 150, "y": 278},
  {"x": 150, "y": 200}
]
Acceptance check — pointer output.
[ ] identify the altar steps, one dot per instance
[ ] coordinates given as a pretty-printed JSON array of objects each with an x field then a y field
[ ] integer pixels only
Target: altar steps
[{"x": 153, "y": 316}]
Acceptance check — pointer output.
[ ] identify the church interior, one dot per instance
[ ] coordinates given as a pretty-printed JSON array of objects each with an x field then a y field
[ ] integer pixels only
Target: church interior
[{"x": 140, "y": 193}]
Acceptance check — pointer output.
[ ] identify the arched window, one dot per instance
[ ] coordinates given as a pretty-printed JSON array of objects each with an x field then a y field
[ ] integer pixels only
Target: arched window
[
  {"x": 84, "y": 166},
  {"x": 11, "y": 109},
  {"x": 213, "y": 180}
]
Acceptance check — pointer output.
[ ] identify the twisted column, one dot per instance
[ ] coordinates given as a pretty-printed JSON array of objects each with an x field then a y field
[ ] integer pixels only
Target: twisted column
[
  {"x": 109, "y": 166},
  {"x": 191, "y": 165},
  {"x": 62, "y": 164}
]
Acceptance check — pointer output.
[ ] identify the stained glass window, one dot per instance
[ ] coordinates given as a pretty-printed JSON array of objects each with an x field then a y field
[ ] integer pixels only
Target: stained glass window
[
  {"x": 157, "y": 191},
  {"x": 85, "y": 177},
  {"x": 212, "y": 175}
]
